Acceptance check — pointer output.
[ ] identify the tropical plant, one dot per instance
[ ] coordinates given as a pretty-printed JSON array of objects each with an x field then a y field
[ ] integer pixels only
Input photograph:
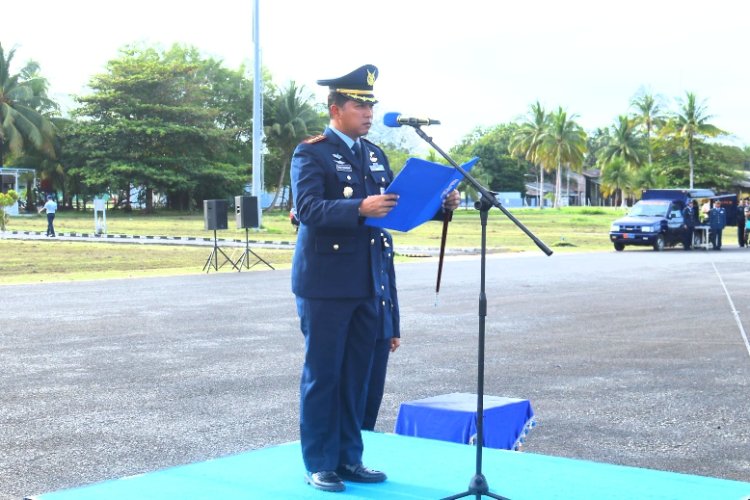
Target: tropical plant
[
  {"x": 527, "y": 141},
  {"x": 649, "y": 177},
  {"x": 623, "y": 143},
  {"x": 23, "y": 100},
  {"x": 6, "y": 200},
  {"x": 506, "y": 172},
  {"x": 649, "y": 116},
  {"x": 596, "y": 141},
  {"x": 562, "y": 143},
  {"x": 153, "y": 121},
  {"x": 691, "y": 123},
  {"x": 293, "y": 118},
  {"x": 617, "y": 179}
]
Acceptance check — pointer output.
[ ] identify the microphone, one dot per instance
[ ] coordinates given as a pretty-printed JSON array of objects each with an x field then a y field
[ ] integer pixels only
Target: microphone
[{"x": 397, "y": 119}]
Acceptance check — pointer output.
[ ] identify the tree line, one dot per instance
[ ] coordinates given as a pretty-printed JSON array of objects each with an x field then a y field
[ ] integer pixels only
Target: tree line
[
  {"x": 650, "y": 146},
  {"x": 178, "y": 125},
  {"x": 167, "y": 122}
]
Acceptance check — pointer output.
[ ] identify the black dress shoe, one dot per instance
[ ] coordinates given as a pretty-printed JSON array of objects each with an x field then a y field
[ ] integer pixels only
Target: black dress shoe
[
  {"x": 360, "y": 474},
  {"x": 325, "y": 480}
]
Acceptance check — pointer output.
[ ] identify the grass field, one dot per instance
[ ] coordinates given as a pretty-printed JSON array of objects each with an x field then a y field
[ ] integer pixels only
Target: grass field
[{"x": 573, "y": 229}]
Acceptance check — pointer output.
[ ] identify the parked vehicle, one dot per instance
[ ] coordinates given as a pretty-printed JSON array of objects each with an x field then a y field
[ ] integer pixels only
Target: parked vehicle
[{"x": 656, "y": 220}]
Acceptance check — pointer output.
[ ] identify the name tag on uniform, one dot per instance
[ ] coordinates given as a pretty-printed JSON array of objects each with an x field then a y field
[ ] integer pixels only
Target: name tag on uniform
[
  {"x": 345, "y": 167},
  {"x": 377, "y": 167}
]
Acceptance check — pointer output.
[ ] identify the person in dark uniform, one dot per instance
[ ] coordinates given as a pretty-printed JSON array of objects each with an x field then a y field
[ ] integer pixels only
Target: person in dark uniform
[
  {"x": 689, "y": 225},
  {"x": 338, "y": 179},
  {"x": 389, "y": 334},
  {"x": 741, "y": 207},
  {"x": 717, "y": 220}
]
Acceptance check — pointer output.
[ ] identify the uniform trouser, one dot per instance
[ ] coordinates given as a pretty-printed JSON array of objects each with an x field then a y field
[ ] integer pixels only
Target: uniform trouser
[
  {"x": 376, "y": 386},
  {"x": 714, "y": 236},
  {"x": 687, "y": 238},
  {"x": 339, "y": 342},
  {"x": 50, "y": 226},
  {"x": 741, "y": 235}
]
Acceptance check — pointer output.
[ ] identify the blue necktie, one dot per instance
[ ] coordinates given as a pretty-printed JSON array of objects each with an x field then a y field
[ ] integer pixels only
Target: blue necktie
[{"x": 356, "y": 150}]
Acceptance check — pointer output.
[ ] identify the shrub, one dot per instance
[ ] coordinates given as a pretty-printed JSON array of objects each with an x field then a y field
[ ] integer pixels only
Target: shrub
[{"x": 6, "y": 200}]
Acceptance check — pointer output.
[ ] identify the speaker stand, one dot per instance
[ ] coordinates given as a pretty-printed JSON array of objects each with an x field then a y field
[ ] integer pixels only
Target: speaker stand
[
  {"x": 245, "y": 258},
  {"x": 213, "y": 258}
]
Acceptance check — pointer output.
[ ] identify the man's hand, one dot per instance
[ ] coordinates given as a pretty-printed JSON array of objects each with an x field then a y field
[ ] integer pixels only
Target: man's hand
[
  {"x": 452, "y": 200},
  {"x": 377, "y": 205},
  {"x": 395, "y": 343}
]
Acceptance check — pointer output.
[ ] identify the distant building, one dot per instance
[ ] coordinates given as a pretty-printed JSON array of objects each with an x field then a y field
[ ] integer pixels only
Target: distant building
[
  {"x": 572, "y": 190},
  {"x": 10, "y": 178}
]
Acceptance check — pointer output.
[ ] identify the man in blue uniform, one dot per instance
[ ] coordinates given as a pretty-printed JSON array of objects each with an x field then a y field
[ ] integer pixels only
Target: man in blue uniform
[
  {"x": 741, "y": 208},
  {"x": 338, "y": 179},
  {"x": 689, "y": 225},
  {"x": 717, "y": 221}
]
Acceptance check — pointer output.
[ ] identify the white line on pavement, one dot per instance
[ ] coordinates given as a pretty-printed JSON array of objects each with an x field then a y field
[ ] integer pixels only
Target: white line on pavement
[{"x": 734, "y": 309}]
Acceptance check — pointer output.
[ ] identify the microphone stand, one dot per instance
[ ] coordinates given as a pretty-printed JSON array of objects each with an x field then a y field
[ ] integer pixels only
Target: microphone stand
[{"x": 478, "y": 486}]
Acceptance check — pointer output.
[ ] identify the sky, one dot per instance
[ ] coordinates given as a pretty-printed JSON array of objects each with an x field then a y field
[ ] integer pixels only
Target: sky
[{"x": 468, "y": 63}]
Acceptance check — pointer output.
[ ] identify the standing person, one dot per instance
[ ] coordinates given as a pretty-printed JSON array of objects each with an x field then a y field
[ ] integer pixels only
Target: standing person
[
  {"x": 696, "y": 215},
  {"x": 337, "y": 181},
  {"x": 741, "y": 207},
  {"x": 389, "y": 334},
  {"x": 717, "y": 220},
  {"x": 689, "y": 225},
  {"x": 51, "y": 208}
]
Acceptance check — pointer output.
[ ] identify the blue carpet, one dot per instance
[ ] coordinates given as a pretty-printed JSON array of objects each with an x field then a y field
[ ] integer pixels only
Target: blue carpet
[{"x": 416, "y": 468}]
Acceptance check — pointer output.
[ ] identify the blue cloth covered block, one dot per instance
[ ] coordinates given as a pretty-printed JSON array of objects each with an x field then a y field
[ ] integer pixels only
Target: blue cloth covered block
[{"x": 453, "y": 417}]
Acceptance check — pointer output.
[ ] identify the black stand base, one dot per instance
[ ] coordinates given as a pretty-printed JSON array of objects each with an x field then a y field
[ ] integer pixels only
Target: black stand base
[
  {"x": 213, "y": 258},
  {"x": 245, "y": 258},
  {"x": 478, "y": 487}
]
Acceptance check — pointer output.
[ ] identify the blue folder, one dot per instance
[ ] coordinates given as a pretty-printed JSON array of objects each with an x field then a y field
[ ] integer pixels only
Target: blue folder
[{"x": 421, "y": 186}]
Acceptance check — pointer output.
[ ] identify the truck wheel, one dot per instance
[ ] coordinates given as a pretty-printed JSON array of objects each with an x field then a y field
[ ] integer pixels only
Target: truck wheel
[
  {"x": 659, "y": 243},
  {"x": 619, "y": 247}
]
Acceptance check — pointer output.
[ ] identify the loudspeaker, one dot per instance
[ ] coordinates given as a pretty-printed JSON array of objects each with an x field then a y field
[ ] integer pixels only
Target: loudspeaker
[
  {"x": 215, "y": 214},
  {"x": 246, "y": 211}
]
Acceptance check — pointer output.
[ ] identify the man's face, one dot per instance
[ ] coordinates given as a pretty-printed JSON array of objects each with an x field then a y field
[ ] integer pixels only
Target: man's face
[{"x": 354, "y": 118}]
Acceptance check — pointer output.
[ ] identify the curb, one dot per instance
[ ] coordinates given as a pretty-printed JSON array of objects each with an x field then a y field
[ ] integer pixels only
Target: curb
[
  {"x": 406, "y": 251},
  {"x": 151, "y": 237}
]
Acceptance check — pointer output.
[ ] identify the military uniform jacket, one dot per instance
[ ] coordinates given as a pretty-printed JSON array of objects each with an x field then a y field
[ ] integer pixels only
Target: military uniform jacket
[
  {"x": 717, "y": 218},
  {"x": 388, "y": 295},
  {"x": 336, "y": 254},
  {"x": 689, "y": 217}
]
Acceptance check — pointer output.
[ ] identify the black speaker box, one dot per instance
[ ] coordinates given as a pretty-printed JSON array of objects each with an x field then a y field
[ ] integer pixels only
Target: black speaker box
[
  {"x": 215, "y": 214},
  {"x": 246, "y": 211}
]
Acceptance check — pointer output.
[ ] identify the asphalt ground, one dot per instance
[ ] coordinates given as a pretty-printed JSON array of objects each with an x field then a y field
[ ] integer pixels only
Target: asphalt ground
[{"x": 636, "y": 357}]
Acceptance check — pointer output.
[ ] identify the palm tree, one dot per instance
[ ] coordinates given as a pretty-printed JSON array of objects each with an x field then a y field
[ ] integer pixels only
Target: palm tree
[
  {"x": 649, "y": 177},
  {"x": 648, "y": 116},
  {"x": 563, "y": 142},
  {"x": 689, "y": 123},
  {"x": 623, "y": 143},
  {"x": 616, "y": 178},
  {"x": 526, "y": 142},
  {"x": 22, "y": 96},
  {"x": 293, "y": 119}
]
